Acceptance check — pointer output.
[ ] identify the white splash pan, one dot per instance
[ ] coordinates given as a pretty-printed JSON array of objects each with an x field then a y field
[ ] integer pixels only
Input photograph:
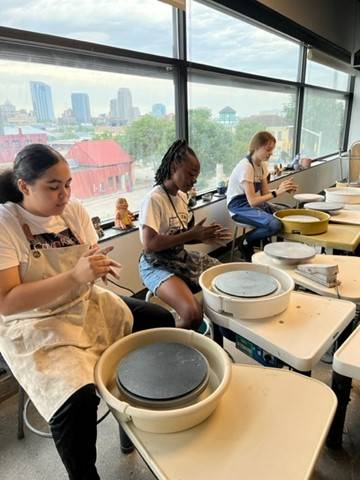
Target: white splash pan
[
  {"x": 167, "y": 420},
  {"x": 246, "y": 308},
  {"x": 343, "y": 195}
]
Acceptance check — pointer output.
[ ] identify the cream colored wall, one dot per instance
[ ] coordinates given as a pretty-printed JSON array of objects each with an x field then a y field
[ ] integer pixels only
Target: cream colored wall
[{"x": 127, "y": 248}]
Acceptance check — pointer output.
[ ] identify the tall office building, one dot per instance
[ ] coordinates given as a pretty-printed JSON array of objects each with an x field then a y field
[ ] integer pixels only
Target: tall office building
[
  {"x": 158, "y": 110},
  {"x": 113, "y": 108},
  {"x": 81, "y": 107},
  {"x": 124, "y": 106},
  {"x": 42, "y": 101}
]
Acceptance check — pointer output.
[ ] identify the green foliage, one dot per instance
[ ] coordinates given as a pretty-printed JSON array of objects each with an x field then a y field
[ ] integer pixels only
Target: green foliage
[
  {"x": 148, "y": 138},
  {"x": 322, "y": 123},
  {"x": 212, "y": 143},
  {"x": 244, "y": 131}
]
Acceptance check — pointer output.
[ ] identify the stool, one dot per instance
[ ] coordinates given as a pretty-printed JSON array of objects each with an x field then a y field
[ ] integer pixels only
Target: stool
[
  {"x": 302, "y": 198},
  {"x": 23, "y": 406},
  {"x": 205, "y": 328},
  {"x": 244, "y": 227}
]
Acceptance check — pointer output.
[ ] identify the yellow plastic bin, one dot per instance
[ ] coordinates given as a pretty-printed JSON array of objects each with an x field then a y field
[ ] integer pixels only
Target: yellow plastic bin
[{"x": 296, "y": 220}]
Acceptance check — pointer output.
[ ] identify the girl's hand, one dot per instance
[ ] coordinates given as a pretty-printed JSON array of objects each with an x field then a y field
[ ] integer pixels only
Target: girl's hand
[
  {"x": 210, "y": 233},
  {"x": 287, "y": 186},
  {"x": 94, "y": 264}
]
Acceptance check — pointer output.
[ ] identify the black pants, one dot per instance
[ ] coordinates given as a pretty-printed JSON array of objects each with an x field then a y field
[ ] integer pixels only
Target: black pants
[{"x": 73, "y": 426}]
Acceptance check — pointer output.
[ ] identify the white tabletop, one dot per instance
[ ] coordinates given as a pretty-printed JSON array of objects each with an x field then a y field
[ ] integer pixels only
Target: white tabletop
[
  {"x": 349, "y": 276},
  {"x": 347, "y": 357},
  {"x": 270, "y": 424},
  {"x": 301, "y": 334}
]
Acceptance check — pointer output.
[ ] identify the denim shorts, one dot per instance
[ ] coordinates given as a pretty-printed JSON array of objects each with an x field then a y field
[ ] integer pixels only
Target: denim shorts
[{"x": 152, "y": 277}]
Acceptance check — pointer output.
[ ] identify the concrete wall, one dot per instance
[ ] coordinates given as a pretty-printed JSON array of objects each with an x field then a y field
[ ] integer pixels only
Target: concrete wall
[
  {"x": 335, "y": 20},
  {"x": 128, "y": 248}
]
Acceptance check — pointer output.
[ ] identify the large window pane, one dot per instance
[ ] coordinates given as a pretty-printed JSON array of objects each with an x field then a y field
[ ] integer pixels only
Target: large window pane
[
  {"x": 323, "y": 123},
  {"x": 223, "y": 118},
  {"x": 142, "y": 25},
  {"x": 215, "y": 38},
  {"x": 323, "y": 76},
  {"x": 112, "y": 127}
]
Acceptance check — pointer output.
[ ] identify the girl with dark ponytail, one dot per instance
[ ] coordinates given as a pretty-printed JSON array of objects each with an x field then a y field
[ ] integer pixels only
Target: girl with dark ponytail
[
  {"x": 30, "y": 163},
  {"x": 166, "y": 268},
  {"x": 54, "y": 322}
]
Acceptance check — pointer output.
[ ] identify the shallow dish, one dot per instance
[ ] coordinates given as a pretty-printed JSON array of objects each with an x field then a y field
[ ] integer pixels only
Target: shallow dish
[
  {"x": 327, "y": 207},
  {"x": 290, "y": 253},
  {"x": 308, "y": 197}
]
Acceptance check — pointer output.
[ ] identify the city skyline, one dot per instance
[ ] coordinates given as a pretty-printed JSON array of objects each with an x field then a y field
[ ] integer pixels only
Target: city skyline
[{"x": 246, "y": 101}]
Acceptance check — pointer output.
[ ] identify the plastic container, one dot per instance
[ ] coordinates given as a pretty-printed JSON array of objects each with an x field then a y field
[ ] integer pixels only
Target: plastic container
[
  {"x": 167, "y": 420},
  {"x": 246, "y": 308},
  {"x": 343, "y": 195},
  {"x": 303, "y": 227}
]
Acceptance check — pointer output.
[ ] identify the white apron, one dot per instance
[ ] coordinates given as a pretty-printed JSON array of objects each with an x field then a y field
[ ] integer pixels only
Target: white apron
[{"x": 52, "y": 350}]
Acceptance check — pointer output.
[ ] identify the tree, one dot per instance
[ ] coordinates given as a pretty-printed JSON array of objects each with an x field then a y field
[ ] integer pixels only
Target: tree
[
  {"x": 323, "y": 120},
  {"x": 148, "y": 138},
  {"x": 212, "y": 143},
  {"x": 244, "y": 131}
]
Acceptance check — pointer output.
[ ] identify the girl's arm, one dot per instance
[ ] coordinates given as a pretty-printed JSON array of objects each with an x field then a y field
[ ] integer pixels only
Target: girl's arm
[
  {"x": 255, "y": 200},
  {"x": 156, "y": 242},
  {"x": 16, "y": 297}
]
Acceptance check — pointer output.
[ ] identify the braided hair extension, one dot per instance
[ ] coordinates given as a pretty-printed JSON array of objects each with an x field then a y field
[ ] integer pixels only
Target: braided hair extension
[{"x": 175, "y": 154}]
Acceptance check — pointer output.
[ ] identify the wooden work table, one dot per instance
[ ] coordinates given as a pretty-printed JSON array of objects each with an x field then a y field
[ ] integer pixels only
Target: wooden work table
[
  {"x": 338, "y": 237},
  {"x": 346, "y": 217},
  {"x": 346, "y": 366},
  {"x": 349, "y": 275}
]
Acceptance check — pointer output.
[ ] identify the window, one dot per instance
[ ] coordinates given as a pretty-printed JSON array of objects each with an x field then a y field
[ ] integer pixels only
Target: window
[
  {"x": 142, "y": 25},
  {"x": 113, "y": 116},
  {"x": 323, "y": 76},
  {"x": 323, "y": 123},
  {"x": 120, "y": 139},
  {"x": 215, "y": 38},
  {"x": 224, "y": 116}
]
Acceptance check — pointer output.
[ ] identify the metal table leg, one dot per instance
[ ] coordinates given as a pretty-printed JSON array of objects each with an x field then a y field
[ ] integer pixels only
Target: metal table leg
[
  {"x": 126, "y": 445},
  {"x": 341, "y": 386},
  {"x": 21, "y": 403}
]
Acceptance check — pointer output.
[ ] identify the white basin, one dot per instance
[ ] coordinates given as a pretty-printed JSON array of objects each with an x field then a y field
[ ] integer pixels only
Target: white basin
[
  {"x": 246, "y": 308},
  {"x": 167, "y": 420}
]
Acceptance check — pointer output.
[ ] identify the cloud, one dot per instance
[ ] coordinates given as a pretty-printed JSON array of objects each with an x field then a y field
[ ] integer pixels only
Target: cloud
[{"x": 145, "y": 25}]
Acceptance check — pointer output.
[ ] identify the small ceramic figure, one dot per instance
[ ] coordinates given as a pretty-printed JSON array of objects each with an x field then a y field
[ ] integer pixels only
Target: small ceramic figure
[
  {"x": 123, "y": 217},
  {"x": 97, "y": 225},
  {"x": 192, "y": 197}
]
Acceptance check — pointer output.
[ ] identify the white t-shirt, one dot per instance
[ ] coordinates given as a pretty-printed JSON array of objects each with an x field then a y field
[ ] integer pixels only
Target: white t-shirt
[
  {"x": 14, "y": 246},
  {"x": 244, "y": 172},
  {"x": 157, "y": 212}
]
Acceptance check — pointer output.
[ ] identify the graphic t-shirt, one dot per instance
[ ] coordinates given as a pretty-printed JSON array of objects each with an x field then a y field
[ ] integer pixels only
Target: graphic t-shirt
[
  {"x": 158, "y": 213},
  {"x": 47, "y": 232}
]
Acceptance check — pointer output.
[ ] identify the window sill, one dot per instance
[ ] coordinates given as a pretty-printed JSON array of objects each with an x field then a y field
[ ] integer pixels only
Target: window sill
[{"x": 291, "y": 173}]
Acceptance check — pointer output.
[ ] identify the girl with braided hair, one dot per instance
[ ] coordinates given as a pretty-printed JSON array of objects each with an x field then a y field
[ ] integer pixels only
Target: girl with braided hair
[{"x": 166, "y": 225}]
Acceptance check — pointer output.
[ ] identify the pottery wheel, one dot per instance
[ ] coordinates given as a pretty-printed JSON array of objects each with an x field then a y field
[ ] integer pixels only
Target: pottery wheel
[
  {"x": 246, "y": 284},
  {"x": 289, "y": 251},
  {"x": 162, "y": 372},
  {"x": 324, "y": 206},
  {"x": 301, "y": 218}
]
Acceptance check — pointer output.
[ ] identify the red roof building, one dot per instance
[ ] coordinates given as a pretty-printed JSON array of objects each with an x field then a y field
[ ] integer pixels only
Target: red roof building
[
  {"x": 11, "y": 144},
  {"x": 99, "y": 167}
]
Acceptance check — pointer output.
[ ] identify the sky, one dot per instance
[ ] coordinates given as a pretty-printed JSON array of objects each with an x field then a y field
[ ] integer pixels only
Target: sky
[{"x": 145, "y": 25}]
